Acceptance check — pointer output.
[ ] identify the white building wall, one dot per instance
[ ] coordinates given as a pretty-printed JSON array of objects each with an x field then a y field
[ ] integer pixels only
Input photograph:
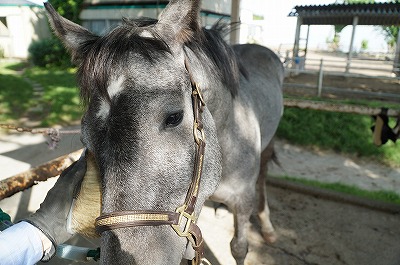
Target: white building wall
[{"x": 24, "y": 25}]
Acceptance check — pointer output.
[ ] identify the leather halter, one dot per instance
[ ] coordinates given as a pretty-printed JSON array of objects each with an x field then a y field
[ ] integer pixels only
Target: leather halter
[{"x": 183, "y": 220}]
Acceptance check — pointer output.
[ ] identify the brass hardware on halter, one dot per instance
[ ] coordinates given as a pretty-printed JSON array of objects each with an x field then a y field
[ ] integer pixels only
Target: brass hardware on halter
[
  {"x": 190, "y": 218},
  {"x": 197, "y": 92}
]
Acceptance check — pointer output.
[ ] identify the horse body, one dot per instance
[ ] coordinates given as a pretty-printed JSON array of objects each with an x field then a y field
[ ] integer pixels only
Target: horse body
[
  {"x": 136, "y": 81},
  {"x": 249, "y": 128}
]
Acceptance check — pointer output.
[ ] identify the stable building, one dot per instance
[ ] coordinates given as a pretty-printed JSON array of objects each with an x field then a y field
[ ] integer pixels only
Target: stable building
[{"x": 99, "y": 16}]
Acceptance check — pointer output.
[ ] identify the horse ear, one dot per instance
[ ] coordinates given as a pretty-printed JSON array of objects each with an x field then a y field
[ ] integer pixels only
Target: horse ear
[
  {"x": 180, "y": 20},
  {"x": 71, "y": 34}
]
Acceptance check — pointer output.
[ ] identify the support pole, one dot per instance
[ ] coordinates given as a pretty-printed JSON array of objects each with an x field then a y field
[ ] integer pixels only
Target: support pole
[
  {"x": 350, "y": 54},
  {"x": 297, "y": 39},
  {"x": 305, "y": 51},
  {"x": 320, "y": 77},
  {"x": 235, "y": 17}
]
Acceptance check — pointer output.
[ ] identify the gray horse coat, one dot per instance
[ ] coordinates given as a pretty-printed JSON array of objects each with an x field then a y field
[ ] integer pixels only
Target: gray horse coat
[{"x": 138, "y": 125}]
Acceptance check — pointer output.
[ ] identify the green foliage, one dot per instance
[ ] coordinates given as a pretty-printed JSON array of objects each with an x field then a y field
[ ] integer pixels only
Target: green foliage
[
  {"x": 359, "y": 1},
  {"x": 342, "y": 132},
  {"x": 364, "y": 45},
  {"x": 391, "y": 33},
  {"x": 69, "y": 9},
  {"x": 382, "y": 195},
  {"x": 49, "y": 53}
]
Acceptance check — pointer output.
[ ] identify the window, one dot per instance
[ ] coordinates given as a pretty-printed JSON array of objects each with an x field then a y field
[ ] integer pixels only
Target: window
[{"x": 100, "y": 26}]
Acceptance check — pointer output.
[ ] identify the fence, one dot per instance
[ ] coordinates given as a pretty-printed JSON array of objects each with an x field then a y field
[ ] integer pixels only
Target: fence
[{"x": 331, "y": 67}]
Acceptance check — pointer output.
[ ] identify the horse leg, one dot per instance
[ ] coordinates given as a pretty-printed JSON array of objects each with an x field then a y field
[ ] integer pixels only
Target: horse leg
[
  {"x": 241, "y": 214},
  {"x": 267, "y": 230}
]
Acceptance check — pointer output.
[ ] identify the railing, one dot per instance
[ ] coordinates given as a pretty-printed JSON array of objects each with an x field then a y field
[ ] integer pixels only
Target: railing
[{"x": 325, "y": 69}]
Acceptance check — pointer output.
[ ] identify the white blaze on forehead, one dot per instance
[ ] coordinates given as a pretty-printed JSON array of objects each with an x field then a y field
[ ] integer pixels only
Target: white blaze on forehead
[
  {"x": 113, "y": 89},
  {"x": 115, "y": 86}
]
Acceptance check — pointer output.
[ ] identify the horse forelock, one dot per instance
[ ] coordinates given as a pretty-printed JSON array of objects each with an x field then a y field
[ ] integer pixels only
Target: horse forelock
[
  {"x": 105, "y": 56},
  {"x": 108, "y": 54}
]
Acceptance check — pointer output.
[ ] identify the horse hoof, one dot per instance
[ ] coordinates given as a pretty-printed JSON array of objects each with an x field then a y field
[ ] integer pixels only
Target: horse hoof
[{"x": 270, "y": 237}]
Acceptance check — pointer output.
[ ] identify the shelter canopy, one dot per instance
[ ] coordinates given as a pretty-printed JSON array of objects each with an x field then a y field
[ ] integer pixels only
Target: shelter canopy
[{"x": 343, "y": 14}]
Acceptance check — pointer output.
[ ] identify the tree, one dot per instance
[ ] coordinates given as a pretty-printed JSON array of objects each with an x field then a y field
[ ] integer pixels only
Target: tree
[
  {"x": 364, "y": 45},
  {"x": 391, "y": 33},
  {"x": 69, "y": 9},
  {"x": 338, "y": 28}
]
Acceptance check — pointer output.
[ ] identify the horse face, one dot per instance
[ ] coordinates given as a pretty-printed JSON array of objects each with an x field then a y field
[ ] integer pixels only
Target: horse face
[
  {"x": 139, "y": 127},
  {"x": 142, "y": 138}
]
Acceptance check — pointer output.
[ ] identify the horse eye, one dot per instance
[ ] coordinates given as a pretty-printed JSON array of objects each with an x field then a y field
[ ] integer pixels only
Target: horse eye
[{"x": 174, "y": 119}]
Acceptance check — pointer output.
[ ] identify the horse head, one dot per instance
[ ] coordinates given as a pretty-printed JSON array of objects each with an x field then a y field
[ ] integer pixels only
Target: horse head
[{"x": 142, "y": 85}]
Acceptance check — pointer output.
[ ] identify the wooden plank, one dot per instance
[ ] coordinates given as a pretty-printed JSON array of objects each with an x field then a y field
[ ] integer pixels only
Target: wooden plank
[{"x": 334, "y": 107}]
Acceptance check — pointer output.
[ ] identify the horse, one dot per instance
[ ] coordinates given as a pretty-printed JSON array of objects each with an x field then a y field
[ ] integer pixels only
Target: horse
[{"x": 174, "y": 116}]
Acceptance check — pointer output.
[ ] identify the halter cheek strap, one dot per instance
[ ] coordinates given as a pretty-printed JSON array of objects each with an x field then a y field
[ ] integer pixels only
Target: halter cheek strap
[{"x": 183, "y": 220}]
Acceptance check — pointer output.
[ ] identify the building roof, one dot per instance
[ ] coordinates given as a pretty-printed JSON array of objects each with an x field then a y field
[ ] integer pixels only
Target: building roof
[
  {"x": 343, "y": 14},
  {"x": 123, "y": 2},
  {"x": 17, "y": 3}
]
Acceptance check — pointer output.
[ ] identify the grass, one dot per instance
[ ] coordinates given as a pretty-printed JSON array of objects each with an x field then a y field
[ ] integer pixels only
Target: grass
[
  {"x": 15, "y": 93},
  {"x": 60, "y": 101},
  {"x": 61, "y": 95},
  {"x": 385, "y": 196},
  {"x": 342, "y": 132}
]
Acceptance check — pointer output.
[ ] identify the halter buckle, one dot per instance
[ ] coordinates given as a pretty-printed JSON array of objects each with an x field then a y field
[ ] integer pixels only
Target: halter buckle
[{"x": 183, "y": 217}]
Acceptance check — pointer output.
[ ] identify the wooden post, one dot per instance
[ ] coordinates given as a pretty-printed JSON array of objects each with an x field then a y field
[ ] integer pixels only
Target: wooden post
[
  {"x": 27, "y": 179},
  {"x": 320, "y": 77},
  {"x": 335, "y": 107},
  {"x": 350, "y": 54}
]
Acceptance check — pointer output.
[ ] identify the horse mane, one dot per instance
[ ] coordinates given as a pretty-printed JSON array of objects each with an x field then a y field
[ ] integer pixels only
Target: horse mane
[
  {"x": 212, "y": 44},
  {"x": 102, "y": 55}
]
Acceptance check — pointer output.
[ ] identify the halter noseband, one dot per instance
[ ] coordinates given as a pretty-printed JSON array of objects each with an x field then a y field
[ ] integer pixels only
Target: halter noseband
[{"x": 183, "y": 220}]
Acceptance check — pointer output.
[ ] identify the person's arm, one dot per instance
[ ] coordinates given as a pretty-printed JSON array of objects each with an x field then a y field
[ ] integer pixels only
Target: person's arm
[{"x": 22, "y": 244}]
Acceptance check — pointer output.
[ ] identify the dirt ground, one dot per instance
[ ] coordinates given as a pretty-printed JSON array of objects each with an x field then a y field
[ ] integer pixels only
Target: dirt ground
[{"x": 311, "y": 230}]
